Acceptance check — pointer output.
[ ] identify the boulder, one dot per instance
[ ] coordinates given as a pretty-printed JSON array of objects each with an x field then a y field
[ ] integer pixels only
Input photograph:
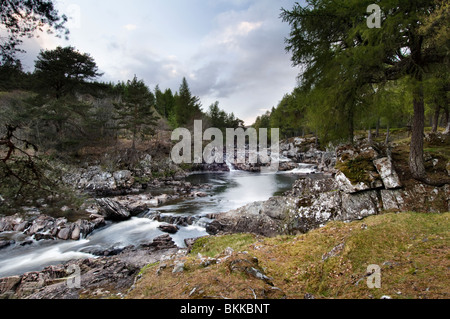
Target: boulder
[
  {"x": 348, "y": 187},
  {"x": 259, "y": 218},
  {"x": 10, "y": 223},
  {"x": 168, "y": 228},
  {"x": 6, "y": 243},
  {"x": 64, "y": 234},
  {"x": 387, "y": 172},
  {"x": 112, "y": 210},
  {"x": 9, "y": 285},
  {"x": 359, "y": 206},
  {"x": 163, "y": 242},
  {"x": 392, "y": 200}
]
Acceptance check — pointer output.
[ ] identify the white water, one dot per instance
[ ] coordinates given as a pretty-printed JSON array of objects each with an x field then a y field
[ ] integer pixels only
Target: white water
[{"x": 303, "y": 169}]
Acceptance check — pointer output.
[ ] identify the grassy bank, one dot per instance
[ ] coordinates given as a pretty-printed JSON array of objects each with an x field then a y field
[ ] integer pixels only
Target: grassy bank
[{"x": 331, "y": 262}]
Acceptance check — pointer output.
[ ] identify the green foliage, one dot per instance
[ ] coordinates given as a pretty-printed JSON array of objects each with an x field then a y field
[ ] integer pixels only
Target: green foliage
[
  {"x": 220, "y": 119},
  {"x": 354, "y": 77},
  {"x": 164, "y": 102},
  {"x": 135, "y": 112},
  {"x": 187, "y": 106},
  {"x": 61, "y": 70}
]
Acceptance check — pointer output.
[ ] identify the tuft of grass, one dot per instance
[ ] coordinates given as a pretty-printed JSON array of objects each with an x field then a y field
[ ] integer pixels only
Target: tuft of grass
[{"x": 213, "y": 246}]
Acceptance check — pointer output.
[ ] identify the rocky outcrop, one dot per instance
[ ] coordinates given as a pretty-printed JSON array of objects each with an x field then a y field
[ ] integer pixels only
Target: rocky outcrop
[
  {"x": 49, "y": 228},
  {"x": 96, "y": 180},
  {"x": 99, "y": 277},
  {"x": 314, "y": 203},
  {"x": 260, "y": 218},
  {"x": 365, "y": 184}
]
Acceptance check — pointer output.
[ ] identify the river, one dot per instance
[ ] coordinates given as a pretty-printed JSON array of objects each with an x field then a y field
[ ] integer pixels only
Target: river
[{"x": 229, "y": 191}]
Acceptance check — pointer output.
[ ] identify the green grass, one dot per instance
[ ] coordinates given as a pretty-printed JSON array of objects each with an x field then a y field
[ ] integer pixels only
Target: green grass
[{"x": 213, "y": 246}]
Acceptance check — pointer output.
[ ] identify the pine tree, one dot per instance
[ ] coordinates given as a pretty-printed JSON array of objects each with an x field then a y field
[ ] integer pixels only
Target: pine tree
[
  {"x": 187, "y": 106},
  {"x": 165, "y": 102},
  {"x": 61, "y": 70},
  {"x": 135, "y": 112}
]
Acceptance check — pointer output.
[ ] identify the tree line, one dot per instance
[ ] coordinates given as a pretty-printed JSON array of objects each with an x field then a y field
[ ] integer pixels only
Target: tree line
[{"x": 57, "y": 115}]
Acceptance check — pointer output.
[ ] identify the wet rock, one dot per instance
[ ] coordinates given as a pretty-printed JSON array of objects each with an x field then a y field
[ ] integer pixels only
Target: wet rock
[
  {"x": 170, "y": 229},
  {"x": 163, "y": 242},
  {"x": 6, "y": 243},
  {"x": 100, "y": 277},
  {"x": 64, "y": 234},
  {"x": 138, "y": 204},
  {"x": 10, "y": 223},
  {"x": 22, "y": 226},
  {"x": 49, "y": 228},
  {"x": 258, "y": 218},
  {"x": 112, "y": 210},
  {"x": 9, "y": 285},
  {"x": 199, "y": 194}
]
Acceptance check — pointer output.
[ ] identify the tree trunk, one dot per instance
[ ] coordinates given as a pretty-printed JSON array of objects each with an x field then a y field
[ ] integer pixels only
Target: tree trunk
[
  {"x": 388, "y": 135},
  {"x": 370, "y": 138},
  {"x": 351, "y": 126},
  {"x": 447, "y": 121},
  {"x": 416, "y": 160},
  {"x": 377, "y": 133},
  {"x": 437, "y": 111}
]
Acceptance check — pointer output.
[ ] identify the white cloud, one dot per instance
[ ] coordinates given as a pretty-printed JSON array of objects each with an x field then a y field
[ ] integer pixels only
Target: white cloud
[{"x": 130, "y": 27}]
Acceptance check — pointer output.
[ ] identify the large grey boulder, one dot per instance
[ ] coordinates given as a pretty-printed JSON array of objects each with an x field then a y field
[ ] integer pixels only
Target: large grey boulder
[
  {"x": 260, "y": 218},
  {"x": 112, "y": 210},
  {"x": 359, "y": 206}
]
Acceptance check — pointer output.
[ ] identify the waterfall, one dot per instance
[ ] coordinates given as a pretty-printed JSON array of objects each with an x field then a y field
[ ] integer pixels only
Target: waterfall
[{"x": 230, "y": 166}]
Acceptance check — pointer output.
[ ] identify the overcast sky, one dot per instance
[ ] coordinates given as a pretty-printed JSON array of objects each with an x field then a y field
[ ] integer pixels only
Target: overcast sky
[{"x": 231, "y": 51}]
